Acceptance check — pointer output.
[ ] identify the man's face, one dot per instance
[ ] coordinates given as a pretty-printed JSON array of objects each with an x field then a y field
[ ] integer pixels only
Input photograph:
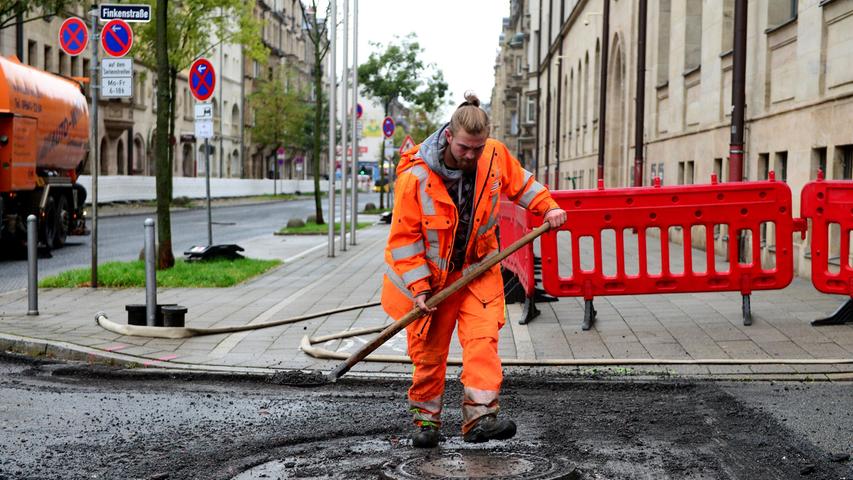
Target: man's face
[{"x": 465, "y": 148}]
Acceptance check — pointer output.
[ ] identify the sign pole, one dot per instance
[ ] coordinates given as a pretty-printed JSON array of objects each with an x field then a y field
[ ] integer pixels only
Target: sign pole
[
  {"x": 344, "y": 157},
  {"x": 354, "y": 169},
  {"x": 96, "y": 163},
  {"x": 207, "y": 186},
  {"x": 333, "y": 33}
]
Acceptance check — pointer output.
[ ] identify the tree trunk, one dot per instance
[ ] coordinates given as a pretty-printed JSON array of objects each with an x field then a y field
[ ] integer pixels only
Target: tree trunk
[
  {"x": 165, "y": 258},
  {"x": 173, "y": 87},
  {"x": 318, "y": 136}
]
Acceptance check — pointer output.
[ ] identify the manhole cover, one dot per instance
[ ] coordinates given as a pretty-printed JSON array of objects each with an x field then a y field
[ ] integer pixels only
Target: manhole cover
[{"x": 480, "y": 464}]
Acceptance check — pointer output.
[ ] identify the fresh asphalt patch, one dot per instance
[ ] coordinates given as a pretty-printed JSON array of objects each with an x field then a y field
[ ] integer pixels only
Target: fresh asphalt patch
[{"x": 79, "y": 425}]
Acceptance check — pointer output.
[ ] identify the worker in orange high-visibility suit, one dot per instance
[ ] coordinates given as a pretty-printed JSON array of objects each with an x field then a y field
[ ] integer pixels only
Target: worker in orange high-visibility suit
[{"x": 443, "y": 225}]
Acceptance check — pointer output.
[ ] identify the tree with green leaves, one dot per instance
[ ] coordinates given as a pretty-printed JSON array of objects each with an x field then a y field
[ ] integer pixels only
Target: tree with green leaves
[
  {"x": 25, "y": 11},
  {"x": 281, "y": 112},
  {"x": 318, "y": 35},
  {"x": 183, "y": 30},
  {"x": 397, "y": 73}
]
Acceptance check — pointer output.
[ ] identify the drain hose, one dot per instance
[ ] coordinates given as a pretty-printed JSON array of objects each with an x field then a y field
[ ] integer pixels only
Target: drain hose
[{"x": 187, "y": 332}]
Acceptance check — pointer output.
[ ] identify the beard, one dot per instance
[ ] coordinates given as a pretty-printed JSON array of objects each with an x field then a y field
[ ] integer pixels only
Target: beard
[{"x": 467, "y": 166}]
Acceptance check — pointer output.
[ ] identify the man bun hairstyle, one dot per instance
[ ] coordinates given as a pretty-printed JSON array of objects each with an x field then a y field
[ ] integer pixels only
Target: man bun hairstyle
[{"x": 470, "y": 117}]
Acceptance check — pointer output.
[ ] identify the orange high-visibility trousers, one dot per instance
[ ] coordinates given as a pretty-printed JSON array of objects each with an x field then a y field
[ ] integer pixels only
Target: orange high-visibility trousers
[{"x": 478, "y": 325}]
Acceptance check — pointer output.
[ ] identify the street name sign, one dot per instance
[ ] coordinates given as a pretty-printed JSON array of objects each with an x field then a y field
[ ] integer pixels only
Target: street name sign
[
  {"x": 73, "y": 36},
  {"x": 117, "y": 77},
  {"x": 117, "y": 38},
  {"x": 128, "y": 13}
]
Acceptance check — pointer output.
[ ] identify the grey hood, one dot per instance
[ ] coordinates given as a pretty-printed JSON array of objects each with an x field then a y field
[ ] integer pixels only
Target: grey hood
[{"x": 432, "y": 152}]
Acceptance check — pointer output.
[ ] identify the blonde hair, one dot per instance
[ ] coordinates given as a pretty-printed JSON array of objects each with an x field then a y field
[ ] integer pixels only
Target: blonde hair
[{"x": 470, "y": 116}]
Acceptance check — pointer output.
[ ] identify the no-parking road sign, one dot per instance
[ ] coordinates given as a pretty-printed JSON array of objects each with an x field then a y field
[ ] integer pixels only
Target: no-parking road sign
[
  {"x": 202, "y": 79},
  {"x": 73, "y": 36},
  {"x": 388, "y": 127},
  {"x": 117, "y": 38}
]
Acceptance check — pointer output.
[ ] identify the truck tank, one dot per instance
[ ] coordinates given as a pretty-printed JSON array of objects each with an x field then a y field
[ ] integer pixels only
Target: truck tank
[
  {"x": 44, "y": 138},
  {"x": 50, "y": 118}
]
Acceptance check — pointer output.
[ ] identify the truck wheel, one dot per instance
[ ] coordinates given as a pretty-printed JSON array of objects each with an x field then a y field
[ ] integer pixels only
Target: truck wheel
[
  {"x": 49, "y": 224},
  {"x": 63, "y": 221}
]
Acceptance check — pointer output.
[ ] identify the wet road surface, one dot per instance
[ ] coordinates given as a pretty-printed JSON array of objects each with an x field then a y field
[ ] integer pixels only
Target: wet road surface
[{"x": 61, "y": 422}]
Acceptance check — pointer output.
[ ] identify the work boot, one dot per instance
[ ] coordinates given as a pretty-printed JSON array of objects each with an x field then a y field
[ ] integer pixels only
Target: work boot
[
  {"x": 426, "y": 436},
  {"x": 488, "y": 427}
]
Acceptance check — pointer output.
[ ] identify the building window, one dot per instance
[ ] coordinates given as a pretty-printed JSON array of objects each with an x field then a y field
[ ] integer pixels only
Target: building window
[
  {"x": 32, "y": 53},
  {"x": 663, "y": 43},
  {"x": 530, "y": 111},
  {"x": 64, "y": 64},
  {"x": 728, "y": 25},
  {"x": 763, "y": 166},
  {"x": 513, "y": 123},
  {"x": 780, "y": 12},
  {"x": 685, "y": 173},
  {"x": 781, "y": 166},
  {"x": 48, "y": 59},
  {"x": 596, "y": 75},
  {"x": 818, "y": 162},
  {"x": 518, "y": 66},
  {"x": 693, "y": 35},
  {"x": 843, "y": 168}
]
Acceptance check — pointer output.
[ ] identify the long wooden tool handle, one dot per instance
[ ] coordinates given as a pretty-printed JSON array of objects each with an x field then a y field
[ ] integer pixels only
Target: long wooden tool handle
[{"x": 416, "y": 313}]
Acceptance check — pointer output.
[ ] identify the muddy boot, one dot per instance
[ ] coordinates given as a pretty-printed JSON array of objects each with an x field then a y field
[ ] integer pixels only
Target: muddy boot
[
  {"x": 426, "y": 436},
  {"x": 488, "y": 427}
]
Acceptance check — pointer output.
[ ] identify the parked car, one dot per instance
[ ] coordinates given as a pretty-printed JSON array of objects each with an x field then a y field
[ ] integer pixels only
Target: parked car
[{"x": 381, "y": 185}]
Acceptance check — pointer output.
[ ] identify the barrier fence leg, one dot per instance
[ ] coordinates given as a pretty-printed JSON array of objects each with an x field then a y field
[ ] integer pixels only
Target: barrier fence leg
[
  {"x": 589, "y": 314},
  {"x": 529, "y": 311},
  {"x": 747, "y": 311},
  {"x": 843, "y": 315}
]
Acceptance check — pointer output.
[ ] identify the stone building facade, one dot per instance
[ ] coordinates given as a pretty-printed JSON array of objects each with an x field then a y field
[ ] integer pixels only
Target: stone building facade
[
  {"x": 799, "y": 92},
  {"x": 126, "y": 126}
]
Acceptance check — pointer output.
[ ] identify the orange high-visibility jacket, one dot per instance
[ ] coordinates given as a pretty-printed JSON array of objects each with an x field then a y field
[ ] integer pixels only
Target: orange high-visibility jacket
[{"x": 424, "y": 221}]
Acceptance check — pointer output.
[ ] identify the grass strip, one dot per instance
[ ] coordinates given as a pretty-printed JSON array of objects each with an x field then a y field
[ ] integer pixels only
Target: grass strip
[
  {"x": 312, "y": 228},
  {"x": 206, "y": 274}
]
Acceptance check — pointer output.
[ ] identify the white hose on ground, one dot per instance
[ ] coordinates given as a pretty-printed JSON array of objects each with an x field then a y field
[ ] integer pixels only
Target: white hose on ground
[{"x": 186, "y": 332}]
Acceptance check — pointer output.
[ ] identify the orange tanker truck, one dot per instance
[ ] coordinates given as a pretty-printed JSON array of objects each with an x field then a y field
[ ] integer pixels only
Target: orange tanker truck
[{"x": 44, "y": 139}]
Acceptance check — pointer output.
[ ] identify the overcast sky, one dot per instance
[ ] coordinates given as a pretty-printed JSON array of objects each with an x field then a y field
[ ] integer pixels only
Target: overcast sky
[{"x": 459, "y": 36}]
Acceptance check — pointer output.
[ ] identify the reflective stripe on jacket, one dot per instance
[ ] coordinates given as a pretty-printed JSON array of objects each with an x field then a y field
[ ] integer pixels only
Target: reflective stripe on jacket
[{"x": 424, "y": 223}]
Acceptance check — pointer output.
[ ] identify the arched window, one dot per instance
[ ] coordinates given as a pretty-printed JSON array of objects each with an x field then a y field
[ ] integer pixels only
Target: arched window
[{"x": 235, "y": 120}]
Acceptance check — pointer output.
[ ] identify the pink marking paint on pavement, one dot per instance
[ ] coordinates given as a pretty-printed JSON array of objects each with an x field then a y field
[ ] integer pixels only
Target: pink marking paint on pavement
[
  {"x": 116, "y": 347},
  {"x": 164, "y": 358}
]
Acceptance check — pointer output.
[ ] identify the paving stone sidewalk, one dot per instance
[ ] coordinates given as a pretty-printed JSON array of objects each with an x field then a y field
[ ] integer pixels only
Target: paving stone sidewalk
[{"x": 674, "y": 326}]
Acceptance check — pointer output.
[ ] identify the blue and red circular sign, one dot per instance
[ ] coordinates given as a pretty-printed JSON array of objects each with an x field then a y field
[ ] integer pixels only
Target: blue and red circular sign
[
  {"x": 117, "y": 38},
  {"x": 358, "y": 110},
  {"x": 202, "y": 79},
  {"x": 73, "y": 36},
  {"x": 388, "y": 127}
]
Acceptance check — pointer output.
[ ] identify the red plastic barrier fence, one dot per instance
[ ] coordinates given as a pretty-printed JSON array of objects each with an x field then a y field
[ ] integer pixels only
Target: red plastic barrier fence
[
  {"x": 828, "y": 202},
  {"x": 742, "y": 206},
  {"x": 514, "y": 224}
]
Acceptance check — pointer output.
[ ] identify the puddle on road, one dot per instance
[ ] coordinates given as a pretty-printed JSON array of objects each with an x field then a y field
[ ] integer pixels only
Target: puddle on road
[{"x": 394, "y": 459}]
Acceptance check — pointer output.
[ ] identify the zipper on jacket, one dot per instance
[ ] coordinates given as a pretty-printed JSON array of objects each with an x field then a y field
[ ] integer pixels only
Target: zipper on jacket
[{"x": 477, "y": 204}]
